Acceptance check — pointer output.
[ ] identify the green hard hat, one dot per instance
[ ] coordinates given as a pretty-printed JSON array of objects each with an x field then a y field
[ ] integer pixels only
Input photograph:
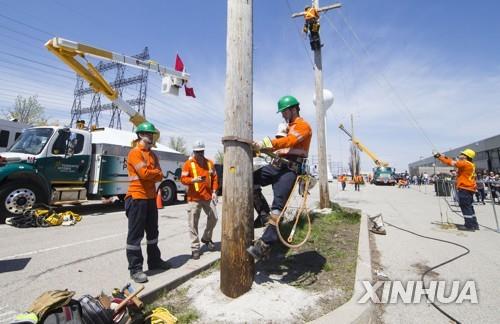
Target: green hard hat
[
  {"x": 146, "y": 127},
  {"x": 287, "y": 102}
]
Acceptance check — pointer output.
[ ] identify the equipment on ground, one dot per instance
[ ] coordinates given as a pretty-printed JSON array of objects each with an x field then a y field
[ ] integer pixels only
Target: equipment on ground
[{"x": 383, "y": 174}]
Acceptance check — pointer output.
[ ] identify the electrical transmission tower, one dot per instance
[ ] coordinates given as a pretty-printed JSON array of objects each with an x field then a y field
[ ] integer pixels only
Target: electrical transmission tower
[{"x": 122, "y": 81}]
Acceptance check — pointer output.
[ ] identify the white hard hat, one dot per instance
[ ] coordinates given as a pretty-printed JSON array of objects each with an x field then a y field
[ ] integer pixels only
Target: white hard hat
[
  {"x": 282, "y": 130},
  {"x": 198, "y": 146}
]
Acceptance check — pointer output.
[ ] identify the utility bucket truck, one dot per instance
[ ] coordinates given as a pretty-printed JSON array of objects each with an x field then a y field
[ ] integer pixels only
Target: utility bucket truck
[
  {"x": 59, "y": 165},
  {"x": 383, "y": 174}
]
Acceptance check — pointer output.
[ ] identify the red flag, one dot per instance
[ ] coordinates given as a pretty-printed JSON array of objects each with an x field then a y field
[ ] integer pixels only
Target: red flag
[
  {"x": 179, "y": 66},
  {"x": 189, "y": 92}
]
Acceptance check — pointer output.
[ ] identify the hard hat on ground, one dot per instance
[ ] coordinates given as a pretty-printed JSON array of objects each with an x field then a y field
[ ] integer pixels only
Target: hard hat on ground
[
  {"x": 469, "y": 153},
  {"x": 287, "y": 102},
  {"x": 282, "y": 130},
  {"x": 198, "y": 146},
  {"x": 146, "y": 127}
]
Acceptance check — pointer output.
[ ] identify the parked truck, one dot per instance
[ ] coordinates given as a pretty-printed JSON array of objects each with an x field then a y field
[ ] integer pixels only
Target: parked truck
[
  {"x": 383, "y": 174},
  {"x": 57, "y": 165}
]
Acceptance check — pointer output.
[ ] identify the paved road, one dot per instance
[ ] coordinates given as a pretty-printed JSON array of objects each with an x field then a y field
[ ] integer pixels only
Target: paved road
[
  {"x": 88, "y": 257},
  {"x": 403, "y": 256}
]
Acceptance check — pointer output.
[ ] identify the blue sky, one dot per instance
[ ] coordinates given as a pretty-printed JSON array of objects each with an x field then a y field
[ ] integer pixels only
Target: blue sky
[{"x": 413, "y": 73}]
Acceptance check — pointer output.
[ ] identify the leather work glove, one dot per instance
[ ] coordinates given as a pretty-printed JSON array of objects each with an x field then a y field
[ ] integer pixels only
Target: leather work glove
[
  {"x": 215, "y": 198},
  {"x": 265, "y": 144}
]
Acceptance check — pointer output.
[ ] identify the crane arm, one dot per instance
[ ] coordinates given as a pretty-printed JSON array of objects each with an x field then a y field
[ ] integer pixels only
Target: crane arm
[
  {"x": 378, "y": 162},
  {"x": 70, "y": 52}
]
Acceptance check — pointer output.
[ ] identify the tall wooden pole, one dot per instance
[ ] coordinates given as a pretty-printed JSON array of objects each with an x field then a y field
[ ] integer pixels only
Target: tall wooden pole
[
  {"x": 237, "y": 267},
  {"x": 324, "y": 196}
]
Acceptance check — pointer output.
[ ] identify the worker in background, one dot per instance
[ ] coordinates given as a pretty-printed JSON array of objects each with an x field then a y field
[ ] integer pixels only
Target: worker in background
[
  {"x": 140, "y": 205},
  {"x": 198, "y": 173},
  {"x": 358, "y": 180},
  {"x": 280, "y": 174},
  {"x": 342, "y": 180},
  {"x": 465, "y": 184},
  {"x": 311, "y": 27}
]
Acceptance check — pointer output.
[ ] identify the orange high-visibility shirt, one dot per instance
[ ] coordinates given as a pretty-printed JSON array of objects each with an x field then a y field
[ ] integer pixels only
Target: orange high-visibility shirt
[
  {"x": 342, "y": 179},
  {"x": 297, "y": 141},
  {"x": 466, "y": 173},
  {"x": 201, "y": 190},
  {"x": 143, "y": 172}
]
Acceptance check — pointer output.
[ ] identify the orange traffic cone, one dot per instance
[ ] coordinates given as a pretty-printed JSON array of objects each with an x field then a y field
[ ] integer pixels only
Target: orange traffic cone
[{"x": 159, "y": 201}]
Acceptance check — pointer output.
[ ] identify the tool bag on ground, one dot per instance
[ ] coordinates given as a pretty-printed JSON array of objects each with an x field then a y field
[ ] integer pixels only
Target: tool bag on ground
[
  {"x": 70, "y": 313},
  {"x": 93, "y": 312}
]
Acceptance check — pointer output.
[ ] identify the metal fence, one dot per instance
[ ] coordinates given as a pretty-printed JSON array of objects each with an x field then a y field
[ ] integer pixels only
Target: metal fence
[{"x": 491, "y": 194}]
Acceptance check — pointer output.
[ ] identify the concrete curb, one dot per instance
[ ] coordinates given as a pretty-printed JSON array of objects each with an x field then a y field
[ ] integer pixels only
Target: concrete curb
[
  {"x": 153, "y": 293},
  {"x": 352, "y": 311}
]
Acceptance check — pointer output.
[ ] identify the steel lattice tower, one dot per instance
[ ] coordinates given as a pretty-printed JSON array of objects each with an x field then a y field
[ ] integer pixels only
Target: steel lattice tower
[{"x": 123, "y": 79}]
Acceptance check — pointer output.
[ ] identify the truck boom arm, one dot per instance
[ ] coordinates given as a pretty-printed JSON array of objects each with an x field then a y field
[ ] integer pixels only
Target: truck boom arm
[
  {"x": 378, "y": 162},
  {"x": 68, "y": 52}
]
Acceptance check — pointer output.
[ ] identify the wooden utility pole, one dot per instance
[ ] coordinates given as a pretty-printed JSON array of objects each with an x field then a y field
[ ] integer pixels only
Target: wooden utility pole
[
  {"x": 237, "y": 266},
  {"x": 324, "y": 195}
]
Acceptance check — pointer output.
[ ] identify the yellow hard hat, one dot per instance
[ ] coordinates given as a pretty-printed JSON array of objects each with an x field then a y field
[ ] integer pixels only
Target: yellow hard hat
[{"x": 469, "y": 153}]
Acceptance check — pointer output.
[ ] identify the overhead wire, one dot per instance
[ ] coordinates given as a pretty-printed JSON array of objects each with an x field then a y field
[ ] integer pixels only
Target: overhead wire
[
  {"x": 206, "y": 113},
  {"x": 395, "y": 93},
  {"x": 26, "y": 25}
]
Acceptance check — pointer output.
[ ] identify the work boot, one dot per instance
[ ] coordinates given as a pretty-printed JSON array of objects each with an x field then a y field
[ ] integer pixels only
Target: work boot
[
  {"x": 195, "y": 255},
  {"x": 160, "y": 265},
  {"x": 139, "y": 277},
  {"x": 210, "y": 245},
  {"x": 260, "y": 221},
  {"x": 259, "y": 250},
  {"x": 475, "y": 224},
  {"x": 465, "y": 228}
]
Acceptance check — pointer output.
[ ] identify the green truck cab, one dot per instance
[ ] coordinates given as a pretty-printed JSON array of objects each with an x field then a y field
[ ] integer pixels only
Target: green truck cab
[{"x": 57, "y": 165}]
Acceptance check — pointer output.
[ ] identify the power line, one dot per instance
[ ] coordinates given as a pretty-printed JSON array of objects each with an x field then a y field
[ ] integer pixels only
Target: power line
[
  {"x": 33, "y": 61},
  {"x": 15, "y": 67},
  {"x": 26, "y": 25},
  {"x": 413, "y": 120},
  {"x": 21, "y": 33}
]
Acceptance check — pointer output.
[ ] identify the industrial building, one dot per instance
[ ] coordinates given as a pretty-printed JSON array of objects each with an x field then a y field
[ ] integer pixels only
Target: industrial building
[{"x": 487, "y": 158}]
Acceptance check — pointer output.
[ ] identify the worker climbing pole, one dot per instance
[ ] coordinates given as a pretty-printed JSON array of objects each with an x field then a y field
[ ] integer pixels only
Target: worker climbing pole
[{"x": 312, "y": 26}]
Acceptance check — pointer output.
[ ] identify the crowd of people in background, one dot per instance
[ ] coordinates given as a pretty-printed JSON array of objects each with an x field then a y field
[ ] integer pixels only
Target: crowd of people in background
[{"x": 488, "y": 182}]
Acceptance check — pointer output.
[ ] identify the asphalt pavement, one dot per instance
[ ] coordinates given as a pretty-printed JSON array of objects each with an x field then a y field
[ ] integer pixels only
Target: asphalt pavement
[
  {"x": 89, "y": 257},
  {"x": 404, "y": 256}
]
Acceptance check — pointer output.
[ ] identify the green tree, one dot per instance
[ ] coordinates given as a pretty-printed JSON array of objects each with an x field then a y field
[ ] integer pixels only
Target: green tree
[
  {"x": 28, "y": 111},
  {"x": 219, "y": 157},
  {"x": 178, "y": 143}
]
